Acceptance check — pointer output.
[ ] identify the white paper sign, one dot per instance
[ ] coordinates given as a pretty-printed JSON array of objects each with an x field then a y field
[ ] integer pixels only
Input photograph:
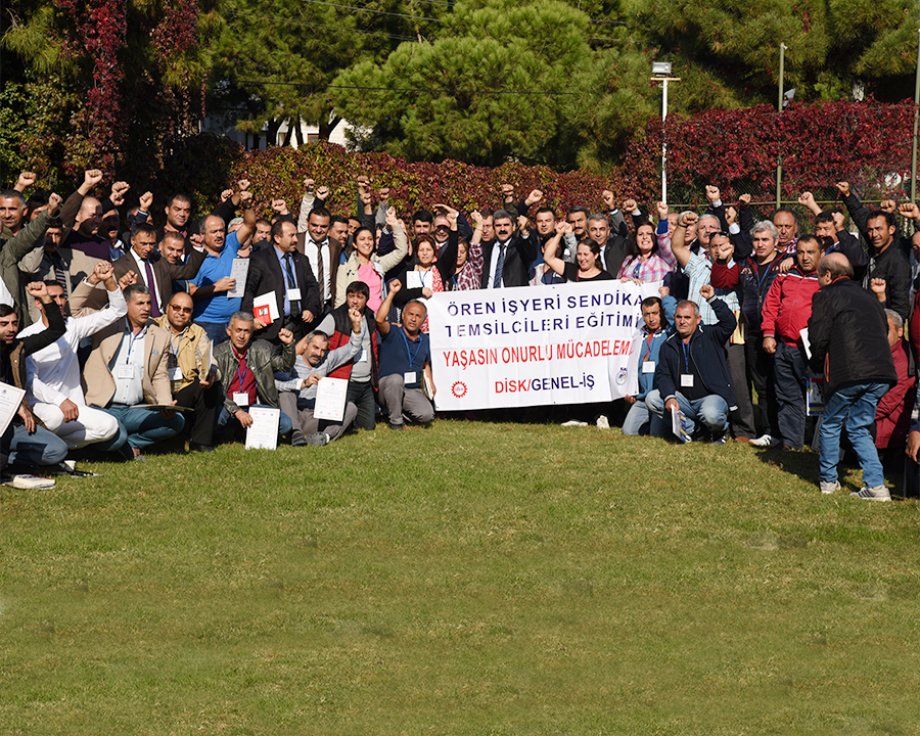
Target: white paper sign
[
  {"x": 262, "y": 434},
  {"x": 330, "y": 399},
  {"x": 535, "y": 345},
  {"x": 10, "y": 399},
  {"x": 239, "y": 271},
  {"x": 806, "y": 343},
  {"x": 265, "y": 307}
]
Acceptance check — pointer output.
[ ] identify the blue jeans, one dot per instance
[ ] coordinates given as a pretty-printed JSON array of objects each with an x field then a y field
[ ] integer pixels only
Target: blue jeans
[
  {"x": 39, "y": 448},
  {"x": 216, "y": 331},
  {"x": 710, "y": 411},
  {"x": 284, "y": 422},
  {"x": 856, "y": 405},
  {"x": 141, "y": 428},
  {"x": 639, "y": 420}
]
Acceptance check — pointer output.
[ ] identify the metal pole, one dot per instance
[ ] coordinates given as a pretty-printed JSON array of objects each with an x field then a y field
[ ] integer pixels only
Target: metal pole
[
  {"x": 913, "y": 157},
  {"x": 779, "y": 107},
  {"x": 664, "y": 142}
]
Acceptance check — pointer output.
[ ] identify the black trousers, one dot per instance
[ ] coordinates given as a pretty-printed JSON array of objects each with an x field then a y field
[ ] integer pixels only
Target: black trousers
[
  {"x": 362, "y": 396},
  {"x": 206, "y": 402}
]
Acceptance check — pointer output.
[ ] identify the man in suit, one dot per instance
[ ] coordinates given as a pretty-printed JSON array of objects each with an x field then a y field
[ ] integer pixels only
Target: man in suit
[
  {"x": 156, "y": 273},
  {"x": 128, "y": 367},
  {"x": 507, "y": 258},
  {"x": 287, "y": 273},
  {"x": 323, "y": 254}
]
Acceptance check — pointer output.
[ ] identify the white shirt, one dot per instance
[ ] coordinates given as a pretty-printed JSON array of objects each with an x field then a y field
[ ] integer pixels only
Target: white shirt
[
  {"x": 313, "y": 251},
  {"x": 142, "y": 269},
  {"x": 493, "y": 263},
  {"x": 53, "y": 373},
  {"x": 129, "y": 391}
]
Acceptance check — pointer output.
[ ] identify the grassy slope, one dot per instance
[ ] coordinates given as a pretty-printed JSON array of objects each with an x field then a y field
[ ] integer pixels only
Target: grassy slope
[{"x": 469, "y": 579}]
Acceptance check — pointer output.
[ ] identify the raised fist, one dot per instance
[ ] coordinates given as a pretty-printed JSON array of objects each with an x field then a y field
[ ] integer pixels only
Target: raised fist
[
  {"x": 146, "y": 202},
  {"x": 119, "y": 190},
  {"x": 806, "y": 199},
  {"x": 630, "y": 205},
  {"x": 744, "y": 200},
  {"x": 712, "y": 194},
  {"x": 26, "y": 179},
  {"x": 54, "y": 204},
  {"x": 608, "y": 199},
  {"x": 843, "y": 187},
  {"x": 909, "y": 210},
  {"x": 91, "y": 177},
  {"x": 535, "y": 196},
  {"x": 308, "y": 184},
  {"x": 688, "y": 219},
  {"x": 242, "y": 185}
]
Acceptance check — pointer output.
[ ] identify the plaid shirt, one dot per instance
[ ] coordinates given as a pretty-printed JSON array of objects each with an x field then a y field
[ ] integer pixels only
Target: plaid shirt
[
  {"x": 655, "y": 268},
  {"x": 470, "y": 275}
]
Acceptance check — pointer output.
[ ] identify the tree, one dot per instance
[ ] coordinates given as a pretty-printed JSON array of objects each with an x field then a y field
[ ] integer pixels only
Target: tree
[{"x": 498, "y": 83}]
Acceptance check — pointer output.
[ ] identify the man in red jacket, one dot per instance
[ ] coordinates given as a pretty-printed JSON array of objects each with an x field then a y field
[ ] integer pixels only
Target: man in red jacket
[
  {"x": 892, "y": 416},
  {"x": 786, "y": 310}
]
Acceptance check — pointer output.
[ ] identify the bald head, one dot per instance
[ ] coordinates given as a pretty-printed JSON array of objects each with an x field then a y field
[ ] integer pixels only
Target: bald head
[
  {"x": 833, "y": 266},
  {"x": 89, "y": 217},
  {"x": 179, "y": 311}
]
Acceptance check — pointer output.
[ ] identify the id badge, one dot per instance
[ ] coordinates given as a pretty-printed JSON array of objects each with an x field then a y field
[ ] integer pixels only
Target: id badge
[
  {"x": 175, "y": 374},
  {"x": 241, "y": 398},
  {"x": 409, "y": 378},
  {"x": 124, "y": 371},
  {"x": 293, "y": 295},
  {"x": 686, "y": 380},
  {"x": 648, "y": 366},
  {"x": 362, "y": 356}
]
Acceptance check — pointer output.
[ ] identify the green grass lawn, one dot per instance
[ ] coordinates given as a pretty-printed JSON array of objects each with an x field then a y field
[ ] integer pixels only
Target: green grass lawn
[{"x": 468, "y": 579}]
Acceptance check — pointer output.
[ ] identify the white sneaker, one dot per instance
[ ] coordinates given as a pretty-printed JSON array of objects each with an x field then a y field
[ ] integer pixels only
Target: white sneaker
[
  {"x": 876, "y": 493},
  {"x": 29, "y": 482},
  {"x": 603, "y": 422},
  {"x": 829, "y": 486},
  {"x": 574, "y": 423},
  {"x": 766, "y": 440}
]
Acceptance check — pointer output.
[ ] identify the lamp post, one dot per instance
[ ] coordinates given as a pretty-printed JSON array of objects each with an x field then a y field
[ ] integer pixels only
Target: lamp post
[
  {"x": 661, "y": 72},
  {"x": 779, "y": 108},
  {"x": 913, "y": 157}
]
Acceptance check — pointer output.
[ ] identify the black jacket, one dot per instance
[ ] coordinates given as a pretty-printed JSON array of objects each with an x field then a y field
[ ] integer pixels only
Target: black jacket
[
  {"x": 519, "y": 254},
  {"x": 848, "y": 333},
  {"x": 707, "y": 351},
  {"x": 893, "y": 266},
  {"x": 265, "y": 275}
]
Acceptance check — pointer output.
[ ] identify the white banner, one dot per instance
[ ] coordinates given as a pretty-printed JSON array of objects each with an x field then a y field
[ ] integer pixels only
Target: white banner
[{"x": 534, "y": 345}]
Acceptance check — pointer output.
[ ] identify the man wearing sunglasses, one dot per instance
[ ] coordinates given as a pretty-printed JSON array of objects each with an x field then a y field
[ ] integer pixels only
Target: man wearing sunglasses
[{"x": 192, "y": 371}]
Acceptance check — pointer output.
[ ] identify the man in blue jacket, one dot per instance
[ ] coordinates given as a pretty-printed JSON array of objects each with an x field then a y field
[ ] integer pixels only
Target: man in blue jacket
[
  {"x": 658, "y": 316},
  {"x": 692, "y": 373}
]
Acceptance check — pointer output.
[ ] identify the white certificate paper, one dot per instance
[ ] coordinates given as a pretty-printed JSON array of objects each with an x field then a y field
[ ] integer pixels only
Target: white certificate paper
[
  {"x": 330, "y": 399},
  {"x": 263, "y": 433},
  {"x": 10, "y": 399},
  {"x": 265, "y": 307},
  {"x": 239, "y": 270}
]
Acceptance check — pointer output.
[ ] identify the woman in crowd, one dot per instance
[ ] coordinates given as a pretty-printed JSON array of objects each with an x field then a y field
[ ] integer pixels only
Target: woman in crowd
[
  {"x": 365, "y": 265},
  {"x": 468, "y": 271},
  {"x": 645, "y": 261},
  {"x": 587, "y": 253}
]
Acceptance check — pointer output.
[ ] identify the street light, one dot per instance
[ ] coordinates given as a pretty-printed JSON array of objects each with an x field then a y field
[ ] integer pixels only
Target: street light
[
  {"x": 913, "y": 155},
  {"x": 661, "y": 72}
]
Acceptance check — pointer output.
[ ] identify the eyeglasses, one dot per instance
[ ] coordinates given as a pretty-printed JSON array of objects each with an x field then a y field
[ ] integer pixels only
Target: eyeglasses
[{"x": 184, "y": 310}]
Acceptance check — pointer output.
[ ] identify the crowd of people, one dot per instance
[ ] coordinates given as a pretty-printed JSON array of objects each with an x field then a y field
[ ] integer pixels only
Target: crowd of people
[{"x": 131, "y": 325}]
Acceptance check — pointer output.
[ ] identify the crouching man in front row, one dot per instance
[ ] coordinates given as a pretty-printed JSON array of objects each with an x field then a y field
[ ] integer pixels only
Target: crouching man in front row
[
  {"x": 405, "y": 364},
  {"x": 297, "y": 390}
]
